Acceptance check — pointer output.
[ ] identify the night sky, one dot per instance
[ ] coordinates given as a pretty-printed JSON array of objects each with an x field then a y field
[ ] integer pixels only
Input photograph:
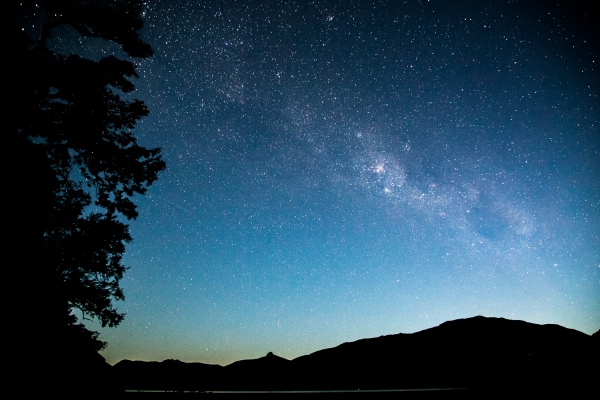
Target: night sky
[{"x": 346, "y": 169}]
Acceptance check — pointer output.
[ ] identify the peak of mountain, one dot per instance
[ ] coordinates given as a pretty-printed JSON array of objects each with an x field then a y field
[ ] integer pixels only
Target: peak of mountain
[
  {"x": 269, "y": 363},
  {"x": 270, "y": 360}
]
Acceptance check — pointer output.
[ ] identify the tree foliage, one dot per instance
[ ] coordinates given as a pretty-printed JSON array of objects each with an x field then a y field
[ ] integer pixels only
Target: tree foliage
[{"x": 69, "y": 121}]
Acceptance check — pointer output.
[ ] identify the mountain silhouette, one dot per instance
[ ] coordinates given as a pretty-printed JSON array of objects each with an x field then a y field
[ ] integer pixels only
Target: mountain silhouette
[
  {"x": 270, "y": 371},
  {"x": 471, "y": 352},
  {"x": 476, "y": 352},
  {"x": 167, "y": 375}
]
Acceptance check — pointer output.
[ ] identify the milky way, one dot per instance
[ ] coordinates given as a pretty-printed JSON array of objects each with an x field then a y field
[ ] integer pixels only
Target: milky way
[{"x": 340, "y": 170}]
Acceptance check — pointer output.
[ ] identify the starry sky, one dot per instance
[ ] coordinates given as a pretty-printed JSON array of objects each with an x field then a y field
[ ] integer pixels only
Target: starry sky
[{"x": 346, "y": 169}]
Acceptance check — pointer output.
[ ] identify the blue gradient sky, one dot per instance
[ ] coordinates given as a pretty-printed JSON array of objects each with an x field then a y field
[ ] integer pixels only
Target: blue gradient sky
[{"x": 346, "y": 169}]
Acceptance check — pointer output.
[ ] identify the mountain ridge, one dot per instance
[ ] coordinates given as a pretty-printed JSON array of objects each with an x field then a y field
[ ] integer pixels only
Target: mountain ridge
[{"x": 469, "y": 352}]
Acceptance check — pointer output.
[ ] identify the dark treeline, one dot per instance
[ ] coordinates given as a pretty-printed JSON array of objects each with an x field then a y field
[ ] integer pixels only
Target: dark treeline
[{"x": 74, "y": 168}]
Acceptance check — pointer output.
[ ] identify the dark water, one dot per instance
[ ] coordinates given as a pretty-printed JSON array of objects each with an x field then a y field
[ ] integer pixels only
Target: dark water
[
  {"x": 443, "y": 393},
  {"x": 302, "y": 391}
]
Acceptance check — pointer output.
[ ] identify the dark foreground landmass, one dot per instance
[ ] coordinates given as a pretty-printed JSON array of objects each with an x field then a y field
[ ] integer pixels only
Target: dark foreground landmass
[{"x": 484, "y": 355}]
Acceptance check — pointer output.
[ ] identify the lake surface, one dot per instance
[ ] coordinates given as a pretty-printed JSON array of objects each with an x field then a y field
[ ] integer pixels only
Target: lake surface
[{"x": 437, "y": 393}]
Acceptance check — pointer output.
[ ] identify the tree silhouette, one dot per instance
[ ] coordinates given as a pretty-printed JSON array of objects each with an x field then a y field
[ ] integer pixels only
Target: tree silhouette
[{"x": 76, "y": 163}]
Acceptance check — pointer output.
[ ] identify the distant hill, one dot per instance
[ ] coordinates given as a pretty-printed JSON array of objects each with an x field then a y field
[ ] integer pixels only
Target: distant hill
[
  {"x": 472, "y": 352},
  {"x": 167, "y": 375}
]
